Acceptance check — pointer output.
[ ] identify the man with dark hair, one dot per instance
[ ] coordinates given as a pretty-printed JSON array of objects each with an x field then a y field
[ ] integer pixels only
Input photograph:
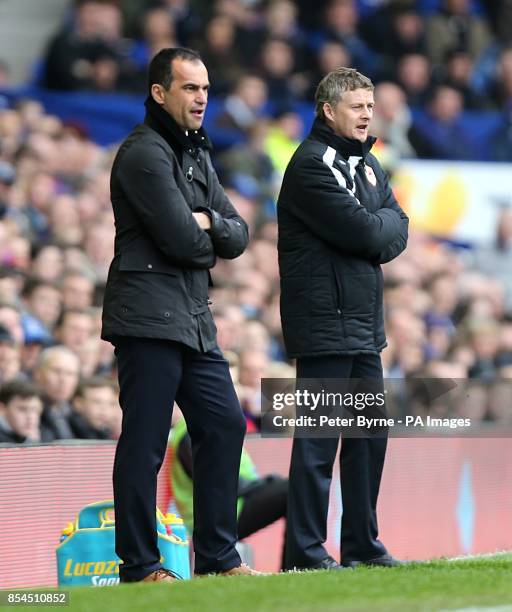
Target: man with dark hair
[
  {"x": 74, "y": 328},
  {"x": 338, "y": 221},
  {"x": 21, "y": 407},
  {"x": 173, "y": 220},
  {"x": 94, "y": 400},
  {"x": 77, "y": 290},
  {"x": 89, "y": 52},
  {"x": 43, "y": 301},
  {"x": 160, "y": 70}
]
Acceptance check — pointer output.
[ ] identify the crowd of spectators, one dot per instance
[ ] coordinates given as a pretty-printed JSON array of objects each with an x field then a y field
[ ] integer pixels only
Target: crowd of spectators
[
  {"x": 450, "y": 61},
  {"x": 448, "y": 311}
]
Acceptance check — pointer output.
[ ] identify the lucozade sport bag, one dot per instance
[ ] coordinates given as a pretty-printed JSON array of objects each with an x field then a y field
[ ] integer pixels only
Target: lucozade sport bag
[{"x": 86, "y": 554}]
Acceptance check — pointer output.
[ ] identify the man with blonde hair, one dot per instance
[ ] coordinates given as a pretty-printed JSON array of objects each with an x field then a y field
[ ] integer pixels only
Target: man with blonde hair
[{"x": 338, "y": 221}]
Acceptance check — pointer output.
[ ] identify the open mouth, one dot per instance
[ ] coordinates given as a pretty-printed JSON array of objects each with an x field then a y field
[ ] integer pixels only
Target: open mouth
[
  {"x": 362, "y": 128},
  {"x": 198, "y": 113}
]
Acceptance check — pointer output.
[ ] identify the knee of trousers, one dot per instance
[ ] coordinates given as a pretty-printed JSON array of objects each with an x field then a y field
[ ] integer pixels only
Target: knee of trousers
[
  {"x": 236, "y": 425},
  {"x": 231, "y": 428}
]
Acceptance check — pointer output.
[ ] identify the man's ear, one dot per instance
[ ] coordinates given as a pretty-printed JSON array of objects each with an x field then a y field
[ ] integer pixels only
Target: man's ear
[
  {"x": 157, "y": 93},
  {"x": 78, "y": 403},
  {"x": 328, "y": 112}
]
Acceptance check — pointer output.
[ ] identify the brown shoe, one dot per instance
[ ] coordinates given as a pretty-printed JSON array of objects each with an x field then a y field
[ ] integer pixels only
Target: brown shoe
[
  {"x": 160, "y": 575},
  {"x": 243, "y": 570},
  {"x": 240, "y": 570}
]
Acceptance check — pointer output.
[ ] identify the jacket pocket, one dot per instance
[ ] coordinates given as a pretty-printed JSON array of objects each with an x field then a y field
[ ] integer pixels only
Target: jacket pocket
[
  {"x": 135, "y": 314},
  {"x": 337, "y": 289},
  {"x": 131, "y": 261}
]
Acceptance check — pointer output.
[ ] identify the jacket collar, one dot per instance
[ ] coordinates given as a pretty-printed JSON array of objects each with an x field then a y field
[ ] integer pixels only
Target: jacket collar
[
  {"x": 159, "y": 120},
  {"x": 7, "y": 430},
  {"x": 346, "y": 146}
]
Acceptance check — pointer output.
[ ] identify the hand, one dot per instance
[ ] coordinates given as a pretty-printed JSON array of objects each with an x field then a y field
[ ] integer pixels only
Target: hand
[{"x": 203, "y": 220}]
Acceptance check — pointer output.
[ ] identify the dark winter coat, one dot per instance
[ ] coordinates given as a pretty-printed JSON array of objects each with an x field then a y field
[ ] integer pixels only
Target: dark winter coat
[
  {"x": 11, "y": 437},
  {"x": 158, "y": 281},
  {"x": 338, "y": 221},
  {"x": 83, "y": 430}
]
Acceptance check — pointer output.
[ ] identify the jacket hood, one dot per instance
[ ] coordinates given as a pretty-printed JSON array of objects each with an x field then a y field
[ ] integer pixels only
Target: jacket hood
[
  {"x": 346, "y": 146},
  {"x": 159, "y": 120}
]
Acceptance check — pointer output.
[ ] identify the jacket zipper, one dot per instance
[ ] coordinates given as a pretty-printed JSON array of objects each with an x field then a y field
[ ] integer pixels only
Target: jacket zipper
[
  {"x": 376, "y": 308},
  {"x": 339, "y": 309}
]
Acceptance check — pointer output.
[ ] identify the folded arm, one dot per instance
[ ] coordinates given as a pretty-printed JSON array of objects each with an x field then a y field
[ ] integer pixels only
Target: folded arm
[
  {"x": 334, "y": 214},
  {"x": 228, "y": 231},
  {"x": 147, "y": 180},
  {"x": 398, "y": 245}
]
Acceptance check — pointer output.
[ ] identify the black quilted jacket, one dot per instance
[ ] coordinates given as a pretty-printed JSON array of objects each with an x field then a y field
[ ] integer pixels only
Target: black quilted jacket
[{"x": 338, "y": 221}]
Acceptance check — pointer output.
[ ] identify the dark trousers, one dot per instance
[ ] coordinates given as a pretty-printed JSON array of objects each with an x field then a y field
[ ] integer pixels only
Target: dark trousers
[
  {"x": 263, "y": 505},
  {"x": 152, "y": 375},
  {"x": 361, "y": 463}
]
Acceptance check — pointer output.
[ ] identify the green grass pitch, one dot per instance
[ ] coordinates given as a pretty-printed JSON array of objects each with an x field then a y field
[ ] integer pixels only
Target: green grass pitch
[{"x": 482, "y": 583}]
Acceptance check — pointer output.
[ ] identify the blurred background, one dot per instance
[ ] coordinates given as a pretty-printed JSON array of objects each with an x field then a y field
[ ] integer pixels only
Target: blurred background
[{"x": 72, "y": 85}]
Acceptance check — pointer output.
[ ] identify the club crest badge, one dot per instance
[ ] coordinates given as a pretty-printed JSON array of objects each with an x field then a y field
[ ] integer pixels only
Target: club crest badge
[{"x": 370, "y": 175}]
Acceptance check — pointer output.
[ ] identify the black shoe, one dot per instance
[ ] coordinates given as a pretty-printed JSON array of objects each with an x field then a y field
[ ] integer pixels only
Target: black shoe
[
  {"x": 386, "y": 560},
  {"x": 327, "y": 564}
]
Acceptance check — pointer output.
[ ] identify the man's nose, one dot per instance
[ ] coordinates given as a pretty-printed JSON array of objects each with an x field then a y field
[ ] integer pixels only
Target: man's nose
[{"x": 202, "y": 97}]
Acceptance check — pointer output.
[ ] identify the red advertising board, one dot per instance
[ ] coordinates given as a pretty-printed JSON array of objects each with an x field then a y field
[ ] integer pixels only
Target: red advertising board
[{"x": 439, "y": 497}]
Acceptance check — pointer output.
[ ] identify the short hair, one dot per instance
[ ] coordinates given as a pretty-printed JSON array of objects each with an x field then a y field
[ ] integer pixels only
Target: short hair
[
  {"x": 72, "y": 311},
  {"x": 10, "y": 306},
  {"x": 76, "y": 273},
  {"x": 160, "y": 68},
  {"x": 19, "y": 388},
  {"x": 79, "y": 3},
  {"x": 95, "y": 382},
  {"x": 333, "y": 85},
  {"x": 6, "y": 272},
  {"x": 33, "y": 283},
  {"x": 46, "y": 356}
]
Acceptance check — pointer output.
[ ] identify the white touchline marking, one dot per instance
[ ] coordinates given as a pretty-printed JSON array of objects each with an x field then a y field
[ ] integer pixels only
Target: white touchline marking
[
  {"x": 507, "y": 608},
  {"x": 498, "y": 553}
]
